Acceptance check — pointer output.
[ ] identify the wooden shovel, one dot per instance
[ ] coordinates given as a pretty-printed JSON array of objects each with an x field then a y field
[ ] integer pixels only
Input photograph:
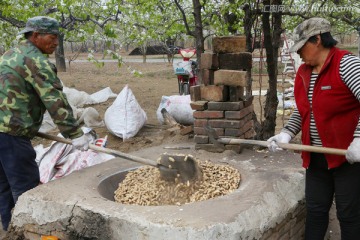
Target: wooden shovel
[
  {"x": 219, "y": 142},
  {"x": 170, "y": 167}
]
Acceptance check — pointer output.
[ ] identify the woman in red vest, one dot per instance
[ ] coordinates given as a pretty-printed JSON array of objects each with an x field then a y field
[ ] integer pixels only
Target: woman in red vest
[{"x": 327, "y": 96}]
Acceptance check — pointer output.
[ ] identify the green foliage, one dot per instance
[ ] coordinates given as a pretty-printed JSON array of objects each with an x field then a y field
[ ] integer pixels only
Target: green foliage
[
  {"x": 79, "y": 20},
  {"x": 217, "y": 16},
  {"x": 7, "y": 35},
  {"x": 91, "y": 58},
  {"x": 146, "y": 22},
  {"x": 136, "y": 73},
  {"x": 115, "y": 56},
  {"x": 109, "y": 31},
  {"x": 143, "y": 22},
  {"x": 343, "y": 15}
]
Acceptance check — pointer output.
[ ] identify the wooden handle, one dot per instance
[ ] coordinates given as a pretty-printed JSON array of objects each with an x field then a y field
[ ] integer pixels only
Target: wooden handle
[
  {"x": 100, "y": 149},
  {"x": 315, "y": 149},
  {"x": 289, "y": 146}
]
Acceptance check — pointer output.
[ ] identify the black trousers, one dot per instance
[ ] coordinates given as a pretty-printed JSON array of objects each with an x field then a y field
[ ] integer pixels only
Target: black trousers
[
  {"x": 18, "y": 172},
  {"x": 322, "y": 184}
]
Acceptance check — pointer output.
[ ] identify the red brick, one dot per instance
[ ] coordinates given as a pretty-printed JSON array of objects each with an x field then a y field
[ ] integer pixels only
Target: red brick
[
  {"x": 199, "y": 105},
  {"x": 238, "y": 132},
  {"x": 201, "y": 139},
  {"x": 225, "y": 106},
  {"x": 247, "y": 126},
  {"x": 208, "y": 114},
  {"x": 202, "y": 131},
  {"x": 249, "y": 134},
  {"x": 236, "y": 61},
  {"x": 232, "y": 132},
  {"x": 225, "y": 123},
  {"x": 200, "y": 122},
  {"x": 239, "y": 114},
  {"x": 209, "y": 61},
  {"x": 231, "y": 44},
  {"x": 230, "y": 78},
  {"x": 214, "y": 93},
  {"x": 248, "y": 101},
  {"x": 248, "y": 117}
]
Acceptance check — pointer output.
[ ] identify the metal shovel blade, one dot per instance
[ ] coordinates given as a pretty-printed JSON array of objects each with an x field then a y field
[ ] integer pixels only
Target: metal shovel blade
[{"x": 185, "y": 167}]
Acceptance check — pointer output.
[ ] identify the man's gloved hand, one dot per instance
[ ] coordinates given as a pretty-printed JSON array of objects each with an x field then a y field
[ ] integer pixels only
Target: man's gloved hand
[
  {"x": 282, "y": 137},
  {"x": 82, "y": 143},
  {"x": 353, "y": 151}
]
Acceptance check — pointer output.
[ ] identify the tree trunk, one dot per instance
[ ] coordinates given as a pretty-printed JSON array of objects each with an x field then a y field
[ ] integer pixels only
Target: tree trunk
[
  {"x": 104, "y": 47},
  {"x": 199, "y": 37},
  {"x": 249, "y": 20},
  {"x": 60, "y": 56},
  {"x": 358, "y": 41},
  {"x": 271, "y": 42},
  {"x": 144, "y": 58},
  {"x": 143, "y": 51},
  {"x": 248, "y": 23},
  {"x": 94, "y": 45}
]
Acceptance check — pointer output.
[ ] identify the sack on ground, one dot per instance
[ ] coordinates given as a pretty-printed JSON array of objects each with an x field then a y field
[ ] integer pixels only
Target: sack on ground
[
  {"x": 178, "y": 107},
  {"x": 124, "y": 118}
]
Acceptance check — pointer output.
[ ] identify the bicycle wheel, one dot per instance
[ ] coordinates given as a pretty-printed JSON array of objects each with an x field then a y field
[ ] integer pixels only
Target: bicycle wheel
[
  {"x": 181, "y": 89},
  {"x": 185, "y": 89}
]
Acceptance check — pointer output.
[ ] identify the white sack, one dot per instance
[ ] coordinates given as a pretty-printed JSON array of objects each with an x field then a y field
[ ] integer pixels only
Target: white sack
[
  {"x": 61, "y": 159},
  {"x": 89, "y": 116},
  {"x": 102, "y": 95},
  {"x": 124, "y": 118},
  {"x": 178, "y": 107},
  {"x": 80, "y": 98}
]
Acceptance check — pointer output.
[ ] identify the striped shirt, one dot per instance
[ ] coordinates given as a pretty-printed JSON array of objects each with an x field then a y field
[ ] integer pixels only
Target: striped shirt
[{"x": 349, "y": 73}]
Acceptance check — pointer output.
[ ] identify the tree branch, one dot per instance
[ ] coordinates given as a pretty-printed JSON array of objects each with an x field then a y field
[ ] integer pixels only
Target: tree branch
[
  {"x": 189, "y": 32},
  {"x": 12, "y": 21}
]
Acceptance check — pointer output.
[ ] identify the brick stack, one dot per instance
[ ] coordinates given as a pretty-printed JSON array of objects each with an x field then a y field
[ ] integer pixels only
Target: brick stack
[{"x": 220, "y": 101}]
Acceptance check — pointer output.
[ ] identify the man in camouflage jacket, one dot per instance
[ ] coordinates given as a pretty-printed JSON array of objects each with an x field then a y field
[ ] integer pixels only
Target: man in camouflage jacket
[{"x": 29, "y": 87}]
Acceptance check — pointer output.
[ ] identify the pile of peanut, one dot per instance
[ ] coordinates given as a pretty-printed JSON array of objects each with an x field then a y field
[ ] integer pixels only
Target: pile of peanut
[{"x": 144, "y": 186}]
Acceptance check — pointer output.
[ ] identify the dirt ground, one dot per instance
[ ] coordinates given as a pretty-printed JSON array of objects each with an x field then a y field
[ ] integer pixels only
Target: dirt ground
[{"x": 157, "y": 80}]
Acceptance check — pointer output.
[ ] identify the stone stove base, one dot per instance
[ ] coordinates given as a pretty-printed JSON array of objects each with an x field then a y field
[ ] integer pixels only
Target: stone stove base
[{"x": 267, "y": 205}]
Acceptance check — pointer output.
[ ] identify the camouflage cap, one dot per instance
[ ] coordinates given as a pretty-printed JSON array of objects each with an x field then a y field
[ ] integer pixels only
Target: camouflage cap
[
  {"x": 41, "y": 24},
  {"x": 307, "y": 29}
]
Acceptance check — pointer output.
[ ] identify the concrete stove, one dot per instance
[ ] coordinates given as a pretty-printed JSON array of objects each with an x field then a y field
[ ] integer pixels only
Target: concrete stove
[{"x": 267, "y": 205}]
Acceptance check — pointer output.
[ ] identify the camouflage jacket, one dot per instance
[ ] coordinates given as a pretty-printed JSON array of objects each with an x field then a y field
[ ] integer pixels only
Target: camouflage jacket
[{"x": 29, "y": 87}]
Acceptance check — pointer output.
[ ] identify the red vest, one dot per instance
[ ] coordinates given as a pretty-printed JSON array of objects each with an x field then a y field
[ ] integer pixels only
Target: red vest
[{"x": 335, "y": 109}]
